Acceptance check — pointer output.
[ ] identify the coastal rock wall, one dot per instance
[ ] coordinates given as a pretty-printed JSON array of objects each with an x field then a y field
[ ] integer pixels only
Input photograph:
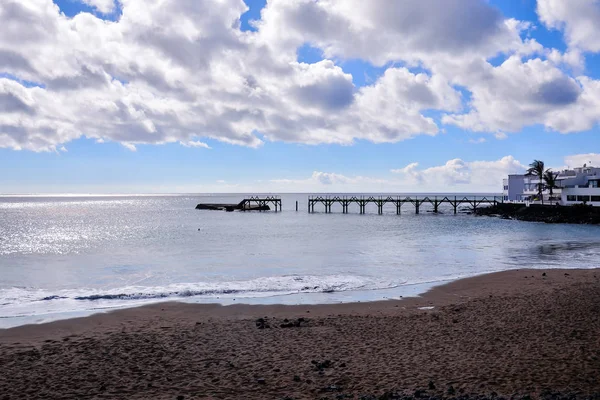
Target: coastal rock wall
[{"x": 576, "y": 214}]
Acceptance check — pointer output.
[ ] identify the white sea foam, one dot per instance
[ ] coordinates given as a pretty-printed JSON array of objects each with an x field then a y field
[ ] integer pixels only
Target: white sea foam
[{"x": 16, "y": 302}]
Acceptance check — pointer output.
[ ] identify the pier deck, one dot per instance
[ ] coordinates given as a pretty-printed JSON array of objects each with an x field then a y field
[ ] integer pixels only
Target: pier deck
[
  {"x": 254, "y": 203},
  {"x": 398, "y": 201}
]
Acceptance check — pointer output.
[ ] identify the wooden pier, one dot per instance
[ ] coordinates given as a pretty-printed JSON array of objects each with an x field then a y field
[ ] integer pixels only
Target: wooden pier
[
  {"x": 257, "y": 201},
  {"x": 254, "y": 203},
  {"x": 398, "y": 201}
]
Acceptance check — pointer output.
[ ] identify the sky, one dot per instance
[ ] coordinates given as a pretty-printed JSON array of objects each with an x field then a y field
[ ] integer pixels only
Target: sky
[{"x": 198, "y": 96}]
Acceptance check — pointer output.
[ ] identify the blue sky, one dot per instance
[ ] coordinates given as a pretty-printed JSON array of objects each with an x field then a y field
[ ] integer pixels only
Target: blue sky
[{"x": 85, "y": 164}]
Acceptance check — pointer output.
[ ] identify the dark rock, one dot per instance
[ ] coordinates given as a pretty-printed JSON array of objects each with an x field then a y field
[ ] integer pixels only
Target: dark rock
[
  {"x": 575, "y": 214},
  {"x": 261, "y": 381},
  {"x": 544, "y": 274},
  {"x": 297, "y": 378},
  {"x": 451, "y": 391},
  {"x": 431, "y": 385},
  {"x": 262, "y": 323},
  {"x": 322, "y": 365},
  {"x": 180, "y": 397}
]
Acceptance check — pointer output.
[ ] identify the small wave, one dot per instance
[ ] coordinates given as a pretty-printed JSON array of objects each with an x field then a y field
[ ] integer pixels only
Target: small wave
[
  {"x": 27, "y": 298},
  {"x": 141, "y": 296},
  {"x": 54, "y": 297}
]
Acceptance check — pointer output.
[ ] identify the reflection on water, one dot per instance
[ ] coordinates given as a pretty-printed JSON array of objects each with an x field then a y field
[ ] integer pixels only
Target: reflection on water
[{"x": 139, "y": 248}]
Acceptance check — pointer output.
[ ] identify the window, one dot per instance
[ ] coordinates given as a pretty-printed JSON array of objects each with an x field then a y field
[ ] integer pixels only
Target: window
[
  {"x": 571, "y": 197},
  {"x": 583, "y": 198},
  {"x": 596, "y": 198},
  {"x": 593, "y": 184}
]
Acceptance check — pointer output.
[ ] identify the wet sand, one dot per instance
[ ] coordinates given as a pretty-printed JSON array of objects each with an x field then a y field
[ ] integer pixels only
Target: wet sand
[{"x": 523, "y": 332}]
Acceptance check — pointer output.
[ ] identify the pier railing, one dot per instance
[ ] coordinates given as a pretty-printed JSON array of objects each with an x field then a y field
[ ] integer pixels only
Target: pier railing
[{"x": 398, "y": 201}]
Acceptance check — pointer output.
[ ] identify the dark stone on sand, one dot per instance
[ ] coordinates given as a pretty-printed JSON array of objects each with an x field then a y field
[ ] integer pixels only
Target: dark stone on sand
[
  {"x": 180, "y": 397},
  {"x": 431, "y": 385},
  {"x": 544, "y": 274},
  {"x": 262, "y": 323},
  {"x": 261, "y": 381},
  {"x": 451, "y": 391},
  {"x": 297, "y": 378},
  {"x": 322, "y": 365}
]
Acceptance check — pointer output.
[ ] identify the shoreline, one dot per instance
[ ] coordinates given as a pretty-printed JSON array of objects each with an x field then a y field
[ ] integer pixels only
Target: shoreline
[
  {"x": 548, "y": 213},
  {"x": 290, "y": 299},
  {"x": 517, "y": 332}
]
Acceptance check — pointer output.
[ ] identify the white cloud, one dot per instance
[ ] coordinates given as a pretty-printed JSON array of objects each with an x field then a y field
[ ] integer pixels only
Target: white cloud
[
  {"x": 382, "y": 30},
  {"x": 456, "y": 174},
  {"x": 579, "y": 19},
  {"x": 195, "y": 143},
  {"x": 103, "y": 6},
  {"x": 174, "y": 71},
  {"x": 577, "y": 160},
  {"x": 522, "y": 93},
  {"x": 129, "y": 146}
]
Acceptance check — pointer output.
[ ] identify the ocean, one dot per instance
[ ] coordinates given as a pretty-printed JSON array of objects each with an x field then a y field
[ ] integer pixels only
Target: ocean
[{"x": 67, "y": 256}]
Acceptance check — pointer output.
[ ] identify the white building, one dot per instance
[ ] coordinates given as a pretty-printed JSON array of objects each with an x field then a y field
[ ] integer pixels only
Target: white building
[
  {"x": 513, "y": 189},
  {"x": 580, "y": 185},
  {"x": 531, "y": 186},
  {"x": 525, "y": 188}
]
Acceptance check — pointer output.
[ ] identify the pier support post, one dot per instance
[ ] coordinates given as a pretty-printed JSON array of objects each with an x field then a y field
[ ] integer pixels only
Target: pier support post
[
  {"x": 296, "y": 205},
  {"x": 455, "y": 204},
  {"x": 417, "y": 207}
]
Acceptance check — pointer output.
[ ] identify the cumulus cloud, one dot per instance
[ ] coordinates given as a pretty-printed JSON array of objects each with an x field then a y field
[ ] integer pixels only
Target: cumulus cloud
[
  {"x": 579, "y": 19},
  {"x": 103, "y": 6},
  {"x": 520, "y": 93},
  {"x": 195, "y": 143},
  {"x": 381, "y": 31},
  {"x": 454, "y": 176},
  {"x": 174, "y": 71},
  {"x": 458, "y": 173},
  {"x": 577, "y": 160}
]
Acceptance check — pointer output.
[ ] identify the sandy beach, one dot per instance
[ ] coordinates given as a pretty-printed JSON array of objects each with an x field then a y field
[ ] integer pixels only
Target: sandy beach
[{"x": 513, "y": 333}]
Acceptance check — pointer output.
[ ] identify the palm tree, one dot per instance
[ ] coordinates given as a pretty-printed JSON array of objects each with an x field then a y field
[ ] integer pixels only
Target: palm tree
[
  {"x": 537, "y": 168},
  {"x": 550, "y": 181}
]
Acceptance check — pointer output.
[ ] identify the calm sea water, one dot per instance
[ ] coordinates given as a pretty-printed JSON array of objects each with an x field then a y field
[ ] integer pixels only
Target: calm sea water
[{"x": 63, "y": 256}]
